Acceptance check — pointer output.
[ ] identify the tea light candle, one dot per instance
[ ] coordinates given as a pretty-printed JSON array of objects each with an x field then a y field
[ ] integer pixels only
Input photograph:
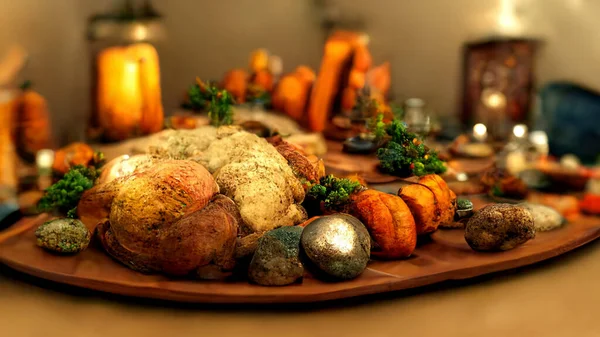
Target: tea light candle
[
  {"x": 480, "y": 132},
  {"x": 520, "y": 131}
]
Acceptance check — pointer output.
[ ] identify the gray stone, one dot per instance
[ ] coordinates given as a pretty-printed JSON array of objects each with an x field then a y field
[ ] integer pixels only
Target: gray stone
[
  {"x": 337, "y": 245},
  {"x": 499, "y": 227},
  {"x": 276, "y": 261},
  {"x": 64, "y": 236},
  {"x": 544, "y": 217}
]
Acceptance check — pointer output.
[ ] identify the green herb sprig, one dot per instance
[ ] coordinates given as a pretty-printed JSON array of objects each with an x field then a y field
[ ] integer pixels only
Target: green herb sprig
[
  {"x": 64, "y": 195},
  {"x": 405, "y": 154},
  {"x": 334, "y": 192}
]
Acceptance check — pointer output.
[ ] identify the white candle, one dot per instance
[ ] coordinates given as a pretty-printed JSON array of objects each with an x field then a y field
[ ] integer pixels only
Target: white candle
[{"x": 480, "y": 132}]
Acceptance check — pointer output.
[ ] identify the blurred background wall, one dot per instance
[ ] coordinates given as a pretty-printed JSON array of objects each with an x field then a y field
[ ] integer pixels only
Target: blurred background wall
[{"x": 422, "y": 40}]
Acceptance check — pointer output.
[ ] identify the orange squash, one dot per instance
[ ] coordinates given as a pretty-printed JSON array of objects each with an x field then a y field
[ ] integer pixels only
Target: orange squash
[
  {"x": 71, "y": 155},
  {"x": 389, "y": 221},
  {"x": 263, "y": 79},
  {"x": 327, "y": 85}
]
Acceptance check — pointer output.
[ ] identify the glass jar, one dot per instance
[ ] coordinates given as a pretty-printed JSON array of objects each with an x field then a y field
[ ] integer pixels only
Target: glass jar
[
  {"x": 417, "y": 117},
  {"x": 126, "y": 92}
]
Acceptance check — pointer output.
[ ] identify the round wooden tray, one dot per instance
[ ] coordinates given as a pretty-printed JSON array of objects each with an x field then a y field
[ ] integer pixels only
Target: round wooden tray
[{"x": 445, "y": 257}]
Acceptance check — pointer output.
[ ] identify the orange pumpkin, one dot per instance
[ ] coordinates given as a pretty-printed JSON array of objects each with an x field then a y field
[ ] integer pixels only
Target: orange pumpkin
[
  {"x": 389, "y": 221},
  {"x": 71, "y": 155},
  {"x": 236, "y": 82}
]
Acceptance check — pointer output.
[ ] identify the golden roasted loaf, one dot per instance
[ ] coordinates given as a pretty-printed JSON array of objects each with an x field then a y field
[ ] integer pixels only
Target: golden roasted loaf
[
  {"x": 166, "y": 218},
  {"x": 247, "y": 169}
]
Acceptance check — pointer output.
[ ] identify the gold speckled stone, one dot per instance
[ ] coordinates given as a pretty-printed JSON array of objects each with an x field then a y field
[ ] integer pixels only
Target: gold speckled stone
[
  {"x": 65, "y": 236},
  {"x": 337, "y": 245}
]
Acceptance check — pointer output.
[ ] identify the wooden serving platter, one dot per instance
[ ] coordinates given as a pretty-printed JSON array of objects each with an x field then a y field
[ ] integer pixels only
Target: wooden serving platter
[{"x": 445, "y": 257}]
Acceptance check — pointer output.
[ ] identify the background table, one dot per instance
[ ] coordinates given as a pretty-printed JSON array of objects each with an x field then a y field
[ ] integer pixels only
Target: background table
[{"x": 555, "y": 298}]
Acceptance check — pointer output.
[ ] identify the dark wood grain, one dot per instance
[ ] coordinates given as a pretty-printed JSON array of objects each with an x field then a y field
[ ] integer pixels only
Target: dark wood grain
[{"x": 445, "y": 257}]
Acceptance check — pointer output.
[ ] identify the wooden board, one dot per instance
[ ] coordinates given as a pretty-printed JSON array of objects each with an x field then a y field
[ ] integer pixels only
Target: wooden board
[{"x": 445, "y": 257}]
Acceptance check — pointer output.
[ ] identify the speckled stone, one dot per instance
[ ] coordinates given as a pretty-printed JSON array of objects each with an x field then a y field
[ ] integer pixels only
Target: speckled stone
[
  {"x": 544, "y": 217},
  {"x": 276, "y": 261},
  {"x": 337, "y": 245},
  {"x": 499, "y": 227},
  {"x": 64, "y": 236}
]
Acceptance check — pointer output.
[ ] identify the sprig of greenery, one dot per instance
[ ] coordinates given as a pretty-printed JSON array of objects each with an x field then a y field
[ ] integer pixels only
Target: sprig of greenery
[
  {"x": 64, "y": 195},
  {"x": 378, "y": 127},
  {"x": 405, "y": 154},
  {"x": 218, "y": 102},
  {"x": 334, "y": 192}
]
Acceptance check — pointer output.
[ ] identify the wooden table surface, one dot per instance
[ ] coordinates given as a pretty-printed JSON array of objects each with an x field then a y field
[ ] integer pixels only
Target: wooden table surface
[{"x": 555, "y": 298}]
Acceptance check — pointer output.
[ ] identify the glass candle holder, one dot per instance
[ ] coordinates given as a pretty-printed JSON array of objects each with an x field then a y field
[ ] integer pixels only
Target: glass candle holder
[{"x": 126, "y": 89}]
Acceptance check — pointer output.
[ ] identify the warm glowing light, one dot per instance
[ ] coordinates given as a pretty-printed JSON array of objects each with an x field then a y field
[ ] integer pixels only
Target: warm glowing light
[
  {"x": 516, "y": 162},
  {"x": 539, "y": 139},
  {"x": 493, "y": 99},
  {"x": 480, "y": 132},
  {"x": 44, "y": 159},
  {"x": 462, "y": 176},
  {"x": 520, "y": 130},
  {"x": 342, "y": 237},
  {"x": 570, "y": 161},
  {"x": 508, "y": 22},
  {"x": 139, "y": 32}
]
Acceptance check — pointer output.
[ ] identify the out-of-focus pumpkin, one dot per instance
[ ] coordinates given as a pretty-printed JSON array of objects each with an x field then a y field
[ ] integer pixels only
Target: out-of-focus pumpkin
[
  {"x": 128, "y": 91},
  {"x": 263, "y": 79},
  {"x": 379, "y": 79},
  {"x": 292, "y": 92},
  {"x": 71, "y": 155},
  {"x": 236, "y": 82},
  {"x": 327, "y": 85},
  {"x": 32, "y": 122}
]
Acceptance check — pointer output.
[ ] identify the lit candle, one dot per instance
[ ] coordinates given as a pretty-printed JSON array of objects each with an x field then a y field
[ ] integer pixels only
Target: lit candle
[
  {"x": 44, "y": 160},
  {"x": 520, "y": 131},
  {"x": 480, "y": 132}
]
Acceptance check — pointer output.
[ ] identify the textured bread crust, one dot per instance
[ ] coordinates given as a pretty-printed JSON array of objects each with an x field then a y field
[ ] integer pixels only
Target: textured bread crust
[
  {"x": 247, "y": 169},
  {"x": 202, "y": 243}
]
